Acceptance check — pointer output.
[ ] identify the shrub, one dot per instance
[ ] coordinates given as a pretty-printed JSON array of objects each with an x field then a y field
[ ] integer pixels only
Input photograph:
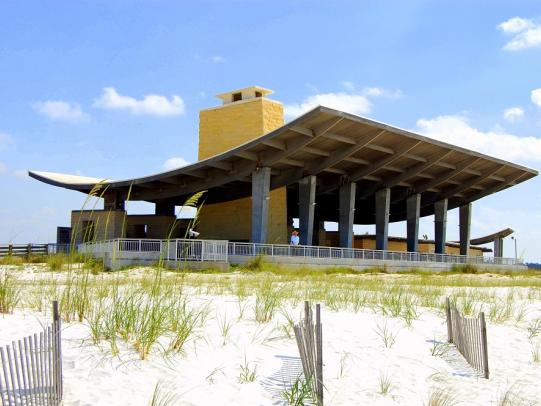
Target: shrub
[
  {"x": 256, "y": 263},
  {"x": 11, "y": 260},
  {"x": 9, "y": 293},
  {"x": 56, "y": 262},
  {"x": 465, "y": 268}
]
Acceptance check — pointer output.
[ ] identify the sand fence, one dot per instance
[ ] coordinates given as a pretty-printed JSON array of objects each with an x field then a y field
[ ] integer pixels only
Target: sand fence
[
  {"x": 309, "y": 341},
  {"x": 31, "y": 368},
  {"x": 470, "y": 337}
]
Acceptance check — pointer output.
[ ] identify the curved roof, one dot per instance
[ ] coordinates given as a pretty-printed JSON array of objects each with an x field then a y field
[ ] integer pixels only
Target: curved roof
[
  {"x": 491, "y": 237},
  {"x": 337, "y": 147}
]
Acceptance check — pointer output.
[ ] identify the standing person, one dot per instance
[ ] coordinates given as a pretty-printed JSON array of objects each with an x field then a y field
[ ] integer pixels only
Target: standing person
[{"x": 295, "y": 238}]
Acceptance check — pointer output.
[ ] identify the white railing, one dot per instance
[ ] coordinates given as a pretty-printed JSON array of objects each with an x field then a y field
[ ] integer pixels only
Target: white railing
[
  {"x": 173, "y": 250},
  {"x": 274, "y": 250},
  {"x": 220, "y": 250}
]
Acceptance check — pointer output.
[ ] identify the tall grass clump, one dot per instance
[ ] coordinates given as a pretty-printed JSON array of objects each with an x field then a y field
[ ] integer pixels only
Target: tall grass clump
[
  {"x": 162, "y": 396},
  {"x": 56, "y": 262},
  {"x": 267, "y": 301},
  {"x": 12, "y": 260},
  {"x": 387, "y": 336},
  {"x": 247, "y": 373},
  {"x": 10, "y": 293},
  {"x": 464, "y": 268},
  {"x": 441, "y": 397},
  {"x": 75, "y": 300},
  {"x": 385, "y": 384},
  {"x": 256, "y": 263},
  {"x": 300, "y": 393}
]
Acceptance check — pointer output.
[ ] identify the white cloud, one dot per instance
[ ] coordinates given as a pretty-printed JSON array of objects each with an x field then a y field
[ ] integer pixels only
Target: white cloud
[
  {"x": 3, "y": 168},
  {"x": 380, "y": 92},
  {"x": 525, "y": 33},
  {"x": 350, "y": 102},
  {"x": 217, "y": 59},
  {"x": 59, "y": 110},
  {"x": 515, "y": 24},
  {"x": 457, "y": 130},
  {"x": 174, "y": 163},
  {"x": 536, "y": 96},
  {"x": 151, "y": 104},
  {"x": 513, "y": 114}
]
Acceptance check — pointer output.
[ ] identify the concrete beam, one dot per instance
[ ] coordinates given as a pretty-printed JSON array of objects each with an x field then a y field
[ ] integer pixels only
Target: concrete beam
[
  {"x": 383, "y": 204},
  {"x": 465, "y": 225},
  {"x": 347, "y": 211},
  {"x": 113, "y": 201},
  {"x": 260, "y": 204},
  {"x": 307, "y": 202},
  {"x": 164, "y": 209},
  {"x": 440, "y": 225},
  {"x": 413, "y": 204}
]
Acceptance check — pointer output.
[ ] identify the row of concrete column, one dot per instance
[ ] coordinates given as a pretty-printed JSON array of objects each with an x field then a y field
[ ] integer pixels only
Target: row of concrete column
[{"x": 307, "y": 194}]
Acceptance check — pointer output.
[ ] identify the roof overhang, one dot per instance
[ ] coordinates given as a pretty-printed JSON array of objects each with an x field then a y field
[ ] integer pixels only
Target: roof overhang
[{"x": 337, "y": 147}]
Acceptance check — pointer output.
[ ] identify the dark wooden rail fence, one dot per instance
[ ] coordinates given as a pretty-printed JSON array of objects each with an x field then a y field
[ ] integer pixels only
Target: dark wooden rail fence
[
  {"x": 32, "y": 249},
  {"x": 31, "y": 368},
  {"x": 470, "y": 337},
  {"x": 309, "y": 342},
  {"x": 23, "y": 249}
]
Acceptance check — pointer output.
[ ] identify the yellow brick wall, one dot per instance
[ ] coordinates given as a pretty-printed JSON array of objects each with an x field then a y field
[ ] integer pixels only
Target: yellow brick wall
[
  {"x": 226, "y": 127},
  {"x": 369, "y": 243}
]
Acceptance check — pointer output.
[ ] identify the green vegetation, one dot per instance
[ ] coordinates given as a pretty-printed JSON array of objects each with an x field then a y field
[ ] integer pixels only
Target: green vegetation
[
  {"x": 441, "y": 397},
  {"x": 247, "y": 373},
  {"x": 10, "y": 293},
  {"x": 299, "y": 393}
]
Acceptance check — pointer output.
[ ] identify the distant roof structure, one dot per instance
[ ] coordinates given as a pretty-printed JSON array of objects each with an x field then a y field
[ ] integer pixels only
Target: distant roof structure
[
  {"x": 338, "y": 147},
  {"x": 491, "y": 237}
]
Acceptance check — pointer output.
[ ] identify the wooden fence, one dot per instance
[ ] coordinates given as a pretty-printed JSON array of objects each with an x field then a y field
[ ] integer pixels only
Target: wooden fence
[
  {"x": 310, "y": 345},
  {"x": 33, "y": 249},
  {"x": 31, "y": 368},
  {"x": 23, "y": 249},
  {"x": 470, "y": 337}
]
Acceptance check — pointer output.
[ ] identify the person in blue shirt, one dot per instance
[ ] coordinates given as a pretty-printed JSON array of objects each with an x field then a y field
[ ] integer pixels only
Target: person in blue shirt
[{"x": 295, "y": 238}]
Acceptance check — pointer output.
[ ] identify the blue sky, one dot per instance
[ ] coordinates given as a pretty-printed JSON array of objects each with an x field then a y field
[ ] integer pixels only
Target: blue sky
[{"x": 75, "y": 80}]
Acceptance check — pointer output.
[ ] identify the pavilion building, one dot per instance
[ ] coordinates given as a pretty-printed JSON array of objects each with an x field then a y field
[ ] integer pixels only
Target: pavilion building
[{"x": 260, "y": 173}]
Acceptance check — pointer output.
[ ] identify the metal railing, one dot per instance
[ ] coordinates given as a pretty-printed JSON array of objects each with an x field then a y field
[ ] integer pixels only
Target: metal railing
[
  {"x": 220, "y": 250},
  {"x": 171, "y": 250},
  {"x": 275, "y": 250}
]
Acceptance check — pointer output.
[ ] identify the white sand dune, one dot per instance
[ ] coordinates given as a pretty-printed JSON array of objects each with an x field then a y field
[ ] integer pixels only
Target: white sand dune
[{"x": 354, "y": 360}]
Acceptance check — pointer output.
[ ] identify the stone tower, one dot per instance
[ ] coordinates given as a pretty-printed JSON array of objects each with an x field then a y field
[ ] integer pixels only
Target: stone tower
[{"x": 245, "y": 114}]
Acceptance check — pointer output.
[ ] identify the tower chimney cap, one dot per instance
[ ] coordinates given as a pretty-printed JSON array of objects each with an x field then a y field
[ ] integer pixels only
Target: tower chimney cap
[{"x": 251, "y": 92}]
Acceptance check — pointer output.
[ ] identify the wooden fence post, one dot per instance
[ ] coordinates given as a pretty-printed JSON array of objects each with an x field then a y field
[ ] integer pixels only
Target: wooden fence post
[
  {"x": 57, "y": 352},
  {"x": 10, "y": 250},
  {"x": 484, "y": 344},
  {"x": 28, "y": 250},
  {"x": 449, "y": 321},
  {"x": 319, "y": 355}
]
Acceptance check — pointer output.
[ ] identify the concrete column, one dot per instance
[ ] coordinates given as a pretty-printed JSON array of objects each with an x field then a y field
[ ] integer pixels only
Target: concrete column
[
  {"x": 413, "y": 204},
  {"x": 383, "y": 204},
  {"x": 307, "y": 202},
  {"x": 347, "y": 210},
  {"x": 318, "y": 237},
  {"x": 260, "y": 204},
  {"x": 164, "y": 209},
  {"x": 440, "y": 226},
  {"x": 498, "y": 247},
  {"x": 113, "y": 201},
  {"x": 465, "y": 225}
]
